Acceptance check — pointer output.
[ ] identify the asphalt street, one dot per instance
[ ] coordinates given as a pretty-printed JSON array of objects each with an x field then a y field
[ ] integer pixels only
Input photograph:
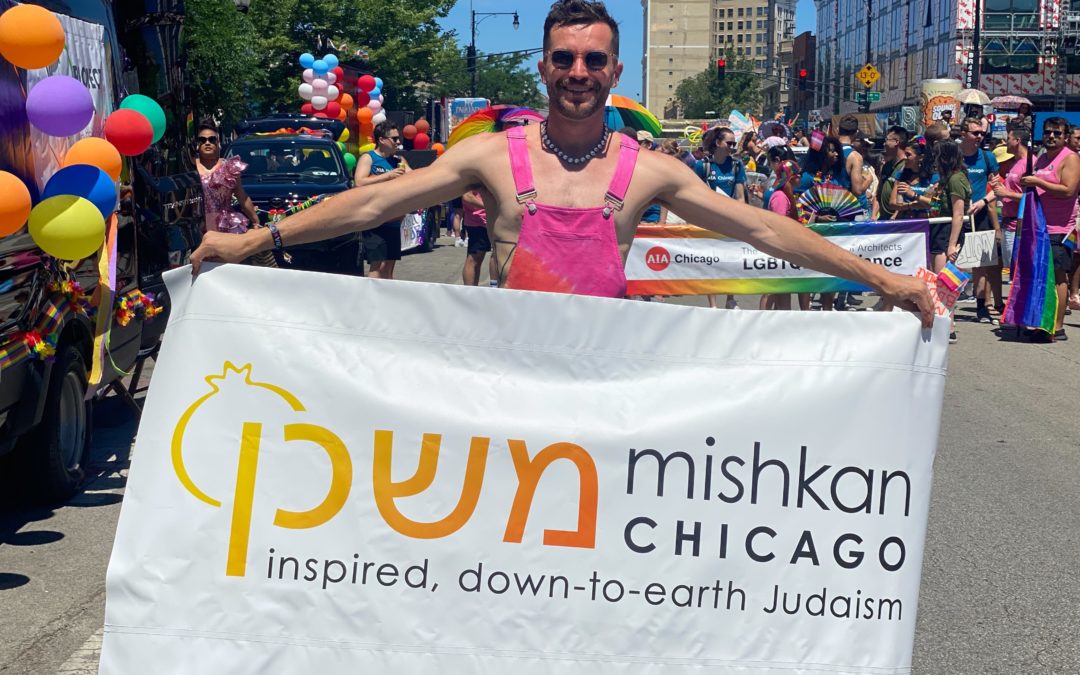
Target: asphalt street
[{"x": 1001, "y": 576}]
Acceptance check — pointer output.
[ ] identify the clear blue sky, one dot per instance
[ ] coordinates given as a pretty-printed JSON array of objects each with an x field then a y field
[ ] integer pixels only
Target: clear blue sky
[{"x": 496, "y": 34}]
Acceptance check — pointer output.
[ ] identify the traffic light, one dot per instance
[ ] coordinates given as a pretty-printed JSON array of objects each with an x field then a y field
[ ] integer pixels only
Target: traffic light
[
  {"x": 803, "y": 74},
  {"x": 721, "y": 66}
]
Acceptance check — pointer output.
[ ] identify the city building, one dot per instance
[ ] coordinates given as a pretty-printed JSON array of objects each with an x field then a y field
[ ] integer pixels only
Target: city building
[
  {"x": 683, "y": 37},
  {"x": 803, "y": 58},
  {"x": 1026, "y": 47},
  {"x": 677, "y": 46}
]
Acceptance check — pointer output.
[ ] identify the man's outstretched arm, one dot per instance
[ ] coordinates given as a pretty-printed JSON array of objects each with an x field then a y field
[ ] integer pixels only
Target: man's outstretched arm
[
  {"x": 782, "y": 237},
  {"x": 354, "y": 210}
]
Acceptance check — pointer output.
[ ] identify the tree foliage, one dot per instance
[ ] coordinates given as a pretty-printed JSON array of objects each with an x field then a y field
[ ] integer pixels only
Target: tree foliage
[
  {"x": 740, "y": 90},
  {"x": 501, "y": 78},
  {"x": 401, "y": 38},
  {"x": 222, "y": 62}
]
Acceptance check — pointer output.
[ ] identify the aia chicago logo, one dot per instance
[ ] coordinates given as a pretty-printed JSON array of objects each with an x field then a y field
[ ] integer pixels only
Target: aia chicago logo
[{"x": 657, "y": 258}]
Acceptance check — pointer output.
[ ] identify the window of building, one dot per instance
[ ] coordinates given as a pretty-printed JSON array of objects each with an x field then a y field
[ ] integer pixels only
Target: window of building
[
  {"x": 730, "y": 13},
  {"x": 730, "y": 24},
  {"x": 999, "y": 64},
  {"x": 739, "y": 39},
  {"x": 740, "y": 11},
  {"x": 1072, "y": 62}
]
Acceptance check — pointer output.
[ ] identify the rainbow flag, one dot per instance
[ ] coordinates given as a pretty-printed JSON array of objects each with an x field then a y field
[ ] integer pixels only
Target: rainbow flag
[
  {"x": 1070, "y": 241},
  {"x": 1032, "y": 299},
  {"x": 953, "y": 278}
]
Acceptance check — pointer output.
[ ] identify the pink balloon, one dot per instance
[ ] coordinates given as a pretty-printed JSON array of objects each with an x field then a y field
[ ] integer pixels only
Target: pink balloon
[
  {"x": 319, "y": 85},
  {"x": 309, "y": 75},
  {"x": 375, "y": 106},
  {"x": 331, "y": 78}
]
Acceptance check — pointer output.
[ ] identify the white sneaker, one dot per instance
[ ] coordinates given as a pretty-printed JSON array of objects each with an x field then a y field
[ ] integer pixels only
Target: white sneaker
[
  {"x": 460, "y": 243},
  {"x": 731, "y": 304}
]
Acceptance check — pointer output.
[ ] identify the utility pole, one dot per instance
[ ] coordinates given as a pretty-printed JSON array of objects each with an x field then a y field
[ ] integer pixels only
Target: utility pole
[
  {"x": 975, "y": 72},
  {"x": 471, "y": 56},
  {"x": 869, "y": 14}
]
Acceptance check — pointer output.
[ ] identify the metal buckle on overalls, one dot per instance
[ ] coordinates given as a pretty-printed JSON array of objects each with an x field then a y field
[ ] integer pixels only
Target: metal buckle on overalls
[
  {"x": 525, "y": 199},
  {"x": 614, "y": 204}
]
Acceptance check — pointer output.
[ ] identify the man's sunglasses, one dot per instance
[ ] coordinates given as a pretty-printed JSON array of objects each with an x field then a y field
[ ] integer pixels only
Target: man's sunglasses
[
  {"x": 731, "y": 144},
  {"x": 1050, "y": 132},
  {"x": 977, "y": 132},
  {"x": 563, "y": 59},
  {"x": 393, "y": 138},
  {"x": 212, "y": 140}
]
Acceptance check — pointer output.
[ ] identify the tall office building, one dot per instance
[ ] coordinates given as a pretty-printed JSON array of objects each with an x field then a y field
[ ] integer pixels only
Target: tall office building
[
  {"x": 682, "y": 37},
  {"x": 1026, "y": 47}
]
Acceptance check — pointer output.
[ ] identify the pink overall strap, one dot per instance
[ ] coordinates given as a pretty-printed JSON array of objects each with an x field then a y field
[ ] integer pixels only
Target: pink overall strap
[
  {"x": 520, "y": 165},
  {"x": 624, "y": 171}
]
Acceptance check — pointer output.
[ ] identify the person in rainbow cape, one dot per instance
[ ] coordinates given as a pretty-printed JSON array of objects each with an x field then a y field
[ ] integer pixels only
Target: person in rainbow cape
[{"x": 565, "y": 197}]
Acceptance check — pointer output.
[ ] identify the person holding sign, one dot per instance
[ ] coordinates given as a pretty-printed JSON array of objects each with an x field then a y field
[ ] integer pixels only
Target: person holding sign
[{"x": 555, "y": 228}]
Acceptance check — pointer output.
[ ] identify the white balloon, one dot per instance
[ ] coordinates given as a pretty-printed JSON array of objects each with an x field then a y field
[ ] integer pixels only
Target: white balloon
[
  {"x": 309, "y": 75},
  {"x": 331, "y": 77},
  {"x": 375, "y": 106},
  {"x": 332, "y": 93},
  {"x": 319, "y": 102},
  {"x": 380, "y": 118},
  {"x": 305, "y": 91}
]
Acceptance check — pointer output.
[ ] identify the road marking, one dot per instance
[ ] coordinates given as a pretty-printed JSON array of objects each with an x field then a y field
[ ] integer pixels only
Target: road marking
[{"x": 85, "y": 659}]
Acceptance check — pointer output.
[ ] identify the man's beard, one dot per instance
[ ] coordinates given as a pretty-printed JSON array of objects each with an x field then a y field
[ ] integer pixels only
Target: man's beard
[{"x": 575, "y": 110}]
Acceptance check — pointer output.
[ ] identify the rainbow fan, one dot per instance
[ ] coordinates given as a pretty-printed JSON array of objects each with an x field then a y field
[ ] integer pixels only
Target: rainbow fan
[
  {"x": 828, "y": 200},
  {"x": 492, "y": 119}
]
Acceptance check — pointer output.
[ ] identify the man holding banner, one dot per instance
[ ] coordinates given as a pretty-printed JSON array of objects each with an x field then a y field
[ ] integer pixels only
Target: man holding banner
[{"x": 569, "y": 156}]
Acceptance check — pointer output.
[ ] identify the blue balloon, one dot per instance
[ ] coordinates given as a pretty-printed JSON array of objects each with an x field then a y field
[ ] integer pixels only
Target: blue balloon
[
  {"x": 331, "y": 60},
  {"x": 320, "y": 67},
  {"x": 375, "y": 93},
  {"x": 378, "y": 83},
  {"x": 306, "y": 60},
  {"x": 86, "y": 181}
]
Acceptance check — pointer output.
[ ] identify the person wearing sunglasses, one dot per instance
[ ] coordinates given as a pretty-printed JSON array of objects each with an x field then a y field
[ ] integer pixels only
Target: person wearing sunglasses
[
  {"x": 220, "y": 184},
  {"x": 567, "y": 195},
  {"x": 981, "y": 164},
  {"x": 382, "y": 244},
  {"x": 1057, "y": 181}
]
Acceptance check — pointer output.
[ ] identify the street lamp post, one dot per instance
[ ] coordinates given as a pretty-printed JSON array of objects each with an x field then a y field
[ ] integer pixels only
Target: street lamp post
[
  {"x": 869, "y": 16},
  {"x": 472, "y": 45}
]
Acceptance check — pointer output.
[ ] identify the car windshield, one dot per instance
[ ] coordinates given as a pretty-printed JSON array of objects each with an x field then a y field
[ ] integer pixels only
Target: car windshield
[{"x": 289, "y": 160}]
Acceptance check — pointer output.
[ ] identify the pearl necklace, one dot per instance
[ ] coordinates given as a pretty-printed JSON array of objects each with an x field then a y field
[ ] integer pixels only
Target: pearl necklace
[{"x": 550, "y": 145}]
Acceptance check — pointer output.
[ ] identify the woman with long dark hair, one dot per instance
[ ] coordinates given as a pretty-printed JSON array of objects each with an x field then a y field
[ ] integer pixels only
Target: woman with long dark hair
[
  {"x": 780, "y": 198},
  {"x": 220, "y": 184},
  {"x": 825, "y": 165},
  {"x": 916, "y": 187}
]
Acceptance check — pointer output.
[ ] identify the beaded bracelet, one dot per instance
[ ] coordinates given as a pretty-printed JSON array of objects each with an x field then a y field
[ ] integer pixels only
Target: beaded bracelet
[{"x": 276, "y": 235}]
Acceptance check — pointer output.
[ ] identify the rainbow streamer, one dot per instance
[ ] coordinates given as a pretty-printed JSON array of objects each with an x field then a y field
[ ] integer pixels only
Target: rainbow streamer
[
  {"x": 106, "y": 289},
  {"x": 490, "y": 120},
  {"x": 953, "y": 277},
  {"x": 1032, "y": 298},
  {"x": 1070, "y": 241}
]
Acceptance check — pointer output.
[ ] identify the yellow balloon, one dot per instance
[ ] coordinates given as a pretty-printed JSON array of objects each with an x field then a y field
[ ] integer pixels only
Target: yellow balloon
[
  {"x": 344, "y": 136},
  {"x": 67, "y": 227},
  {"x": 367, "y": 148}
]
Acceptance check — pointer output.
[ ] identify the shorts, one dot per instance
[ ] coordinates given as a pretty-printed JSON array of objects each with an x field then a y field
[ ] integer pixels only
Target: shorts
[
  {"x": 383, "y": 243},
  {"x": 478, "y": 239},
  {"x": 939, "y": 237},
  {"x": 1062, "y": 258}
]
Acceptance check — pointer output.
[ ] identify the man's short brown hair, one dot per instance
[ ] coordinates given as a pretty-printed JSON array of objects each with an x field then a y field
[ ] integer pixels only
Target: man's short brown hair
[
  {"x": 849, "y": 125},
  {"x": 580, "y": 13}
]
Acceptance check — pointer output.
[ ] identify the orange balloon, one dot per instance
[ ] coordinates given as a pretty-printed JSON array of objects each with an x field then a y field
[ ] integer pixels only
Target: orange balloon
[
  {"x": 30, "y": 36},
  {"x": 409, "y": 131},
  {"x": 367, "y": 128},
  {"x": 343, "y": 114},
  {"x": 439, "y": 148},
  {"x": 422, "y": 126},
  {"x": 14, "y": 203},
  {"x": 346, "y": 101},
  {"x": 96, "y": 152},
  {"x": 364, "y": 115}
]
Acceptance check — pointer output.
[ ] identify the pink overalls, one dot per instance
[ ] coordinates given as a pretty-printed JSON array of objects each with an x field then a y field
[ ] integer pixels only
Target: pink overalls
[{"x": 568, "y": 250}]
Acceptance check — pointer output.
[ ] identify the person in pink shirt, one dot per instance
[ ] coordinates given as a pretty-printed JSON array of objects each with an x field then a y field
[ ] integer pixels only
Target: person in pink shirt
[
  {"x": 1013, "y": 163},
  {"x": 780, "y": 198},
  {"x": 479, "y": 244},
  {"x": 1057, "y": 179}
]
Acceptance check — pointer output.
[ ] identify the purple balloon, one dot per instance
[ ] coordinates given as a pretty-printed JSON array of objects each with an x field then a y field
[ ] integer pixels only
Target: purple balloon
[{"x": 60, "y": 106}]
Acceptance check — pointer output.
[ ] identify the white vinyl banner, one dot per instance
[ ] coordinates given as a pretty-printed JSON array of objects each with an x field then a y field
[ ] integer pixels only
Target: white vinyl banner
[{"x": 347, "y": 475}]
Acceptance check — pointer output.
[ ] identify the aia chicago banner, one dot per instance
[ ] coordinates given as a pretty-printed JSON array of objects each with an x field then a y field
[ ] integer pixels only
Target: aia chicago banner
[{"x": 689, "y": 260}]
